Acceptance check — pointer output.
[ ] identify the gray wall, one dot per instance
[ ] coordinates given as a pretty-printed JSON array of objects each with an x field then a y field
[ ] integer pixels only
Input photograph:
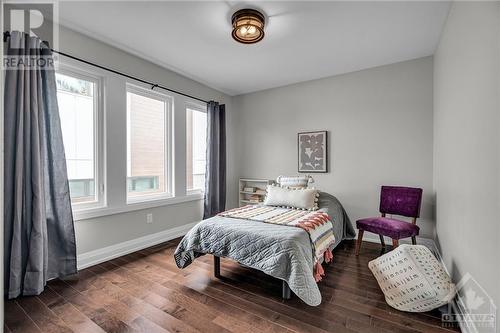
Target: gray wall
[
  {"x": 380, "y": 128},
  {"x": 466, "y": 132},
  {"x": 104, "y": 231}
]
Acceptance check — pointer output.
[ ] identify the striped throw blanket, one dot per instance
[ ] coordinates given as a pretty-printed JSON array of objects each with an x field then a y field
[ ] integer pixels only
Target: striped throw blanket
[{"x": 317, "y": 224}]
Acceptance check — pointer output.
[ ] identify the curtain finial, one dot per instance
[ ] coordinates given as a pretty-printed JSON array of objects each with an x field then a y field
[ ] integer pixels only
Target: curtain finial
[{"x": 6, "y": 35}]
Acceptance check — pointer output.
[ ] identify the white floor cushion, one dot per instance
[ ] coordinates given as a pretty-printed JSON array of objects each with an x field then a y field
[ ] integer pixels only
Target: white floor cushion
[{"x": 412, "y": 279}]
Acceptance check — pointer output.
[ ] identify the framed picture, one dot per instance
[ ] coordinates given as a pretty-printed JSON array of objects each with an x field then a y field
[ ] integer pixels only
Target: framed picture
[{"x": 313, "y": 151}]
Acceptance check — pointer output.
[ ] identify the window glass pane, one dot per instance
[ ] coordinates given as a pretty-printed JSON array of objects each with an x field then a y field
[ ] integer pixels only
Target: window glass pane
[
  {"x": 75, "y": 97},
  {"x": 146, "y": 136},
  {"x": 196, "y": 129}
]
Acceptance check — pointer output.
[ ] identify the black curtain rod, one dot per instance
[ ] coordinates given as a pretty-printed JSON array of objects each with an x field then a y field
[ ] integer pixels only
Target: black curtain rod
[{"x": 6, "y": 35}]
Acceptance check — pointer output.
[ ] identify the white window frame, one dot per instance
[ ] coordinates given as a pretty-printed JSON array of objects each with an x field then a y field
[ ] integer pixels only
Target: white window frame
[
  {"x": 99, "y": 154},
  {"x": 201, "y": 108},
  {"x": 168, "y": 158}
]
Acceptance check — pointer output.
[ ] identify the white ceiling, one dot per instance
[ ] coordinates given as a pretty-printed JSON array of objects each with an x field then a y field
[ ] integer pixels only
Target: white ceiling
[{"x": 304, "y": 40}]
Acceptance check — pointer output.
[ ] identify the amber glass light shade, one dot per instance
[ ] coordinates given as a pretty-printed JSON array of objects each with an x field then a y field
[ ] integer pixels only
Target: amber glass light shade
[{"x": 248, "y": 26}]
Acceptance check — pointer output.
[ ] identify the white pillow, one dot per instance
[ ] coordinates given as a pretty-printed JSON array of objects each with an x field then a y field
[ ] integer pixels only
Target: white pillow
[
  {"x": 295, "y": 181},
  {"x": 412, "y": 279},
  {"x": 291, "y": 198}
]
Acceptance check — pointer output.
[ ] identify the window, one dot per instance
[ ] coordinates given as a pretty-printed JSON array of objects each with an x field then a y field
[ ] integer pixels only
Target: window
[
  {"x": 134, "y": 167},
  {"x": 78, "y": 100},
  {"x": 148, "y": 150},
  {"x": 196, "y": 130}
]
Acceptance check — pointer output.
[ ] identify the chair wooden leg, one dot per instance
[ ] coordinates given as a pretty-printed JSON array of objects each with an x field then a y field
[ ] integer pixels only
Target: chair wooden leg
[
  {"x": 382, "y": 240},
  {"x": 414, "y": 240},
  {"x": 358, "y": 243},
  {"x": 395, "y": 243}
]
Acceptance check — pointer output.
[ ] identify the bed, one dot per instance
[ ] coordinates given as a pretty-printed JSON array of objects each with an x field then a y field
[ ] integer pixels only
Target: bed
[{"x": 283, "y": 252}]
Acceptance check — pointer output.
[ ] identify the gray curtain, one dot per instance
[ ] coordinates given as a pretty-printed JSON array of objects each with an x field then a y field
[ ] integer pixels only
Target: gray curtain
[
  {"x": 215, "y": 176},
  {"x": 39, "y": 236}
]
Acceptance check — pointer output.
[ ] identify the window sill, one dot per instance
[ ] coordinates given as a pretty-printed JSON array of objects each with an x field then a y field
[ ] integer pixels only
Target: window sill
[
  {"x": 195, "y": 192},
  {"x": 86, "y": 214},
  {"x": 146, "y": 199}
]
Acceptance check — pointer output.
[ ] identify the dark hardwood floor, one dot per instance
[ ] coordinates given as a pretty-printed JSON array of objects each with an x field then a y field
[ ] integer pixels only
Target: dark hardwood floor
[{"x": 146, "y": 292}]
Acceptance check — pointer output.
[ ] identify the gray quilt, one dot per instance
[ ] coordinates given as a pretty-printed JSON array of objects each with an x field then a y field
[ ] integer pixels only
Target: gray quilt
[{"x": 283, "y": 252}]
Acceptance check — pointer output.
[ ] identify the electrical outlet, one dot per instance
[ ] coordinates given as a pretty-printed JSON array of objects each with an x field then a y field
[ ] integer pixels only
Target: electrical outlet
[{"x": 149, "y": 218}]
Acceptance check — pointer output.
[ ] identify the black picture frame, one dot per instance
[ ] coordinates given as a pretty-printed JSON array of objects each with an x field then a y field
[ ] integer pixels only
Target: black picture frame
[{"x": 325, "y": 155}]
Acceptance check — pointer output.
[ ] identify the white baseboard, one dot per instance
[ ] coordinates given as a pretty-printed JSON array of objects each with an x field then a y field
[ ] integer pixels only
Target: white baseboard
[
  {"x": 98, "y": 256},
  {"x": 457, "y": 303},
  {"x": 428, "y": 242}
]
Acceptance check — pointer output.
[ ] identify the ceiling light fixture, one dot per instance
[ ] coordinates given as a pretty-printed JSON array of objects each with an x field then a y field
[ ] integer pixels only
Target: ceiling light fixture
[{"x": 248, "y": 26}]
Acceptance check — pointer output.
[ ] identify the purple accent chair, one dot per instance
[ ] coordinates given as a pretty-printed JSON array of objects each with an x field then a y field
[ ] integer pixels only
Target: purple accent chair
[{"x": 397, "y": 200}]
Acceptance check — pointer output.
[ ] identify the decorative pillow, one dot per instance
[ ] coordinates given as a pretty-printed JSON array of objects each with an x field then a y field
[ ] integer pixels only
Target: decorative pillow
[
  {"x": 412, "y": 279},
  {"x": 295, "y": 181},
  {"x": 292, "y": 198}
]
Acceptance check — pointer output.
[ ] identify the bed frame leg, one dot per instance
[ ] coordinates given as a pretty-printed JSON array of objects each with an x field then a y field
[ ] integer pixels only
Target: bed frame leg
[
  {"x": 217, "y": 267},
  {"x": 286, "y": 292}
]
